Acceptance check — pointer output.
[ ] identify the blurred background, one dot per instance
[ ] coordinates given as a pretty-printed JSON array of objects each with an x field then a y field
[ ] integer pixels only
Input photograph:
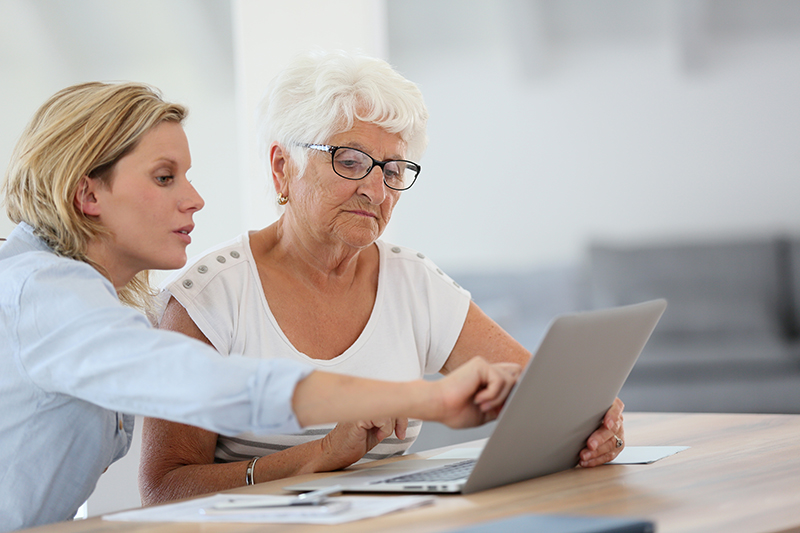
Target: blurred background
[{"x": 582, "y": 153}]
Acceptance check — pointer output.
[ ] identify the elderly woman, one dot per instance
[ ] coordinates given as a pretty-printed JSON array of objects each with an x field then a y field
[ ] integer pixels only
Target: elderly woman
[
  {"x": 341, "y": 135},
  {"x": 97, "y": 185}
]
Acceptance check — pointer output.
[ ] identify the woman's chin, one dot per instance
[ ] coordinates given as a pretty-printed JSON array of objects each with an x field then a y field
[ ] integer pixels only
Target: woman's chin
[
  {"x": 360, "y": 238},
  {"x": 172, "y": 263}
]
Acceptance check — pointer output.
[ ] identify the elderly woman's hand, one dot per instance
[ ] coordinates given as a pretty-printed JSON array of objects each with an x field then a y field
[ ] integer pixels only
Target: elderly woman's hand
[
  {"x": 350, "y": 441},
  {"x": 608, "y": 441}
]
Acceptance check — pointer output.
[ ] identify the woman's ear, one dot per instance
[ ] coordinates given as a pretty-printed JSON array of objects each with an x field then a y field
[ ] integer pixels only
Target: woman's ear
[
  {"x": 278, "y": 163},
  {"x": 85, "y": 199}
]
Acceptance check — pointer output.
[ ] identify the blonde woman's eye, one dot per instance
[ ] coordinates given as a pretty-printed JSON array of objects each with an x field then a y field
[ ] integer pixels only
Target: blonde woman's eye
[{"x": 164, "y": 180}]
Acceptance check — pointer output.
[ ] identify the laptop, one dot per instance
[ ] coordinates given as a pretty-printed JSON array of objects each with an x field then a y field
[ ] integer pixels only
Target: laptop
[{"x": 559, "y": 400}]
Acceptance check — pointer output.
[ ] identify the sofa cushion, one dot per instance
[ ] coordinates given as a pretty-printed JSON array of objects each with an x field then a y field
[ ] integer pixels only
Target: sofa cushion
[{"x": 711, "y": 287}]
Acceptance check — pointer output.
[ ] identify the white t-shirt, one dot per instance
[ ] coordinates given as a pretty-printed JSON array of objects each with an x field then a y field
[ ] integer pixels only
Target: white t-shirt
[{"x": 417, "y": 318}]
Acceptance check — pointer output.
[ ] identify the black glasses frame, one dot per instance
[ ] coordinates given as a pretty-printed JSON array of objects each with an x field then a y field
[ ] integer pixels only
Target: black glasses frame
[{"x": 375, "y": 163}]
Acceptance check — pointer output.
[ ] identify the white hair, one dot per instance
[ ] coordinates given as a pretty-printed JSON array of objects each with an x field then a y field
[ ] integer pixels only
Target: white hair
[{"x": 321, "y": 94}]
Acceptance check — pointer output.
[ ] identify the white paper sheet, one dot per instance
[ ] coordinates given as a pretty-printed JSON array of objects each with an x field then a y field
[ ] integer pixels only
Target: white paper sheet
[
  {"x": 631, "y": 455},
  {"x": 353, "y": 508},
  {"x": 639, "y": 455}
]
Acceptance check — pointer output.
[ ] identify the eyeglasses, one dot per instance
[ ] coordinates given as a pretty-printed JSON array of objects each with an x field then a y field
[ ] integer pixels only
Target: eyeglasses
[{"x": 352, "y": 164}]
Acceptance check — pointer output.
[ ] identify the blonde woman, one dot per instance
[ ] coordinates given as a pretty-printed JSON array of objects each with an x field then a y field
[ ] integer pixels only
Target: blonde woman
[{"x": 97, "y": 186}]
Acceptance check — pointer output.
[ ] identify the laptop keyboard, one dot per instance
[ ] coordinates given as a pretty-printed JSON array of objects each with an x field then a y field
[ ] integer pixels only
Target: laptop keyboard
[{"x": 449, "y": 472}]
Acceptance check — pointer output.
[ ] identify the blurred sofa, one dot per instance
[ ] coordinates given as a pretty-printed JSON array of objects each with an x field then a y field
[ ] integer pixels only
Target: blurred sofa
[{"x": 728, "y": 341}]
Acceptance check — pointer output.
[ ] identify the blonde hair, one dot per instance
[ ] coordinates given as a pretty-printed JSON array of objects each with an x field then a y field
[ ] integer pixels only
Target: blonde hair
[{"x": 80, "y": 131}]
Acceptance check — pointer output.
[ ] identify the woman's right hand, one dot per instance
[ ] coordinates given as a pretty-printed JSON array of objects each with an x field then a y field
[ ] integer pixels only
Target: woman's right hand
[
  {"x": 475, "y": 392},
  {"x": 350, "y": 441}
]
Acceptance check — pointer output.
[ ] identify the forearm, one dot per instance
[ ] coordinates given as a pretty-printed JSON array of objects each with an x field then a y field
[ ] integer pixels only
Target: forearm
[
  {"x": 189, "y": 480},
  {"x": 196, "y": 479},
  {"x": 323, "y": 397}
]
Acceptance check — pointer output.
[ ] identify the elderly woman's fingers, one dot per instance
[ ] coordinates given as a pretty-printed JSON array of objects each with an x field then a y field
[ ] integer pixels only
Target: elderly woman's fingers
[
  {"x": 607, "y": 441},
  {"x": 384, "y": 429},
  {"x": 613, "y": 417},
  {"x": 612, "y": 425},
  {"x": 600, "y": 437},
  {"x": 378, "y": 430},
  {"x": 400, "y": 428},
  {"x": 598, "y": 460},
  {"x": 607, "y": 450}
]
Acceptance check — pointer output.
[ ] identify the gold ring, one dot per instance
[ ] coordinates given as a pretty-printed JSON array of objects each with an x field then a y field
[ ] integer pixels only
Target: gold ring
[{"x": 619, "y": 442}]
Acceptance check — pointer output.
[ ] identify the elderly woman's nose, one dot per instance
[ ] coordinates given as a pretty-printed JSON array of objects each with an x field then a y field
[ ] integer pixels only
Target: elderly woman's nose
[{"x": 372, "y": 186}]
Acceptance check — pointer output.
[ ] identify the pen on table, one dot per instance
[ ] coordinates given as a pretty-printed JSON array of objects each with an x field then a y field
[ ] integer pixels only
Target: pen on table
[{"x": 317, "y": 497}]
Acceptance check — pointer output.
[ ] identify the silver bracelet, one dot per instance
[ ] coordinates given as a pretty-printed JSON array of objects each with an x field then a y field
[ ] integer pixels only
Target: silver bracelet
[{"x": 251, "y": 467}]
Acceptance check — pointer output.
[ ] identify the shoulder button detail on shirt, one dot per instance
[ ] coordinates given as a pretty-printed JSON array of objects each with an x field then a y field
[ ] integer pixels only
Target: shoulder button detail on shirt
[
  {"x": 439, "y": 271},
  {"x": 457, "y": 285},
  {"x": 420, "y": 255},
  {"x": 188, "y": 283},
  {"x": 235, "y": 254},
  {"x": 221, "y": 258},
  {"x": 396, "y": 249},
  {"x": 202, "y": 269}
]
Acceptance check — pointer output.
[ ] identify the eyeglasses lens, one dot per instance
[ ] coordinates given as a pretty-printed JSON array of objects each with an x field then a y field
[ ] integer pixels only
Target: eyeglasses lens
[
  {"x": 354, "y": 164},
  {"x": 351, "y": 164}
]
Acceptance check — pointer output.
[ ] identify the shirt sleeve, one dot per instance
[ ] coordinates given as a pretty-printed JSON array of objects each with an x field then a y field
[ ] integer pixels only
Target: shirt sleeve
[
  {"x": 75, "y": 338},
  {"x": 214, "y": 289},
  {"x": 448, "y": 304},
  {"x": 421, "y": 292}
]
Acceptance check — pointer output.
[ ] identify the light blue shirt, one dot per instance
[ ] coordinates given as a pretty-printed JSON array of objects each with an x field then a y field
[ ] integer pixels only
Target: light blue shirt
[{"x": 72, "y": 359}]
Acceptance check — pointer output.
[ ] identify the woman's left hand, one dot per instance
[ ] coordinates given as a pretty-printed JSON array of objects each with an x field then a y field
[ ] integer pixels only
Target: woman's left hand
[
  {"x": 608, "y": 441},
  {"x": 348, "y": 442}
]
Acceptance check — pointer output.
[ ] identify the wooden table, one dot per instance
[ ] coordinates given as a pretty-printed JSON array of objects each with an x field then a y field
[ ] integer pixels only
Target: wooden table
[{"x": 742, "y": 473}]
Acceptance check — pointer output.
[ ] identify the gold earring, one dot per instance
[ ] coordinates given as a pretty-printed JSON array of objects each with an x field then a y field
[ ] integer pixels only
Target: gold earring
[{"x": 283, "y": 200}]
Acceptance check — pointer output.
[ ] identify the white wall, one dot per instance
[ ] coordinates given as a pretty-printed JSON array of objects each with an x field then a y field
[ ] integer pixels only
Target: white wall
[
  {"x": 557, "y": 122},
  {"x": 617, "y": 119},
  {"x": 184, "y": 47}
]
